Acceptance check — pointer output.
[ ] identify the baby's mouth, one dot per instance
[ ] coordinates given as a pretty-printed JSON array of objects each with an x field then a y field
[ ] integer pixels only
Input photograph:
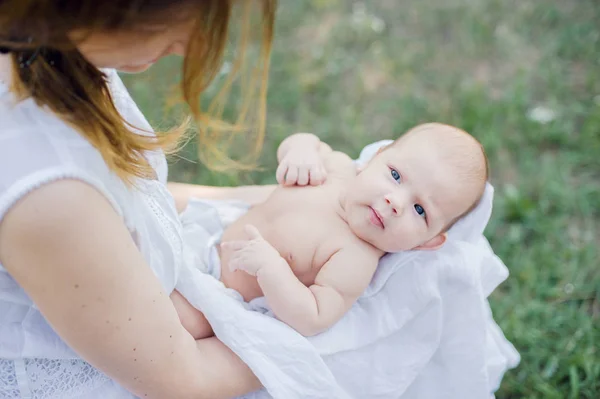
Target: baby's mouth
[{"x": 376, "y": 218}]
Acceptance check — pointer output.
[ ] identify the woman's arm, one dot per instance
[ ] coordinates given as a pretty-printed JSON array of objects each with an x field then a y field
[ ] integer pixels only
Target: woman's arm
[
  {"x": 252, "y": 195},
  {"x": 72, "y": 254}
]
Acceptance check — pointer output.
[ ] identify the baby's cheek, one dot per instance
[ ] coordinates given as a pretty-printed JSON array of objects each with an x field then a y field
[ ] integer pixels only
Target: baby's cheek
[
  {"x": 398, "y": 241},
  {"x": 414, "y": 236}
]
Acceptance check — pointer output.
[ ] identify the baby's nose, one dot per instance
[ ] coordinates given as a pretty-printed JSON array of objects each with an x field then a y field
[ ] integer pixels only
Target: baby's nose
[{"x": 397, "y": 209}]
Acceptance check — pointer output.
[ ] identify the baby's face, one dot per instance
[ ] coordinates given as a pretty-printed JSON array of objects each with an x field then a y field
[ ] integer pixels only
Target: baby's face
[{"x": 407, "y": 195}]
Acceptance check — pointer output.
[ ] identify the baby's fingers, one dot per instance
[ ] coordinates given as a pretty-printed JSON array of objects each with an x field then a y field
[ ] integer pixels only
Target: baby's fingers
[
  {"x": 317, "y": 176},
  {"x": 291, "y": 176},
  {"x": 236, "y": 263},
  {"x": 252, "y": 232},
  {"x": 323, "y": 174},
  {"x": 234, "y": 246},
  {"x": 281, "y": 172},
  {"x": 242, "y": 263},
  {"x": 303, "y": 175}
]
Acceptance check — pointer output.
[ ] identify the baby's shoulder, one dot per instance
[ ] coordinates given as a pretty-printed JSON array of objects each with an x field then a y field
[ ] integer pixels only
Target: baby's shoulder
[
  {"x": 344, "y": 244},
  {"x": 358, "y": 249},
  {"x": 349, "y": 269},
  {"x": 339, "y": 164}
]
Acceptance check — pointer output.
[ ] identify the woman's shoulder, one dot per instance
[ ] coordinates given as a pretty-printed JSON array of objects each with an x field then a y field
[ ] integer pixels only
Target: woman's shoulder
[
  {"x": 29, "y": 131},
  {"x": 37, "y": 147},
  {"x": 32, "y": 138}
]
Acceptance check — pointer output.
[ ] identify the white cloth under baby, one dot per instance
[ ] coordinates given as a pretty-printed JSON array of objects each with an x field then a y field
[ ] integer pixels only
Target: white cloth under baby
[{"x": 423, "y": 328}]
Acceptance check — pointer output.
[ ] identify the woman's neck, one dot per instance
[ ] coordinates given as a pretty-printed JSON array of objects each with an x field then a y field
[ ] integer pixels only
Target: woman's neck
[{"x": 5, "y": 69}]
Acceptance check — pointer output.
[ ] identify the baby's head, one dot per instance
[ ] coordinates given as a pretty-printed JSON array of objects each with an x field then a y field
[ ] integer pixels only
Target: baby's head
[{"x": 416, "y": 188}]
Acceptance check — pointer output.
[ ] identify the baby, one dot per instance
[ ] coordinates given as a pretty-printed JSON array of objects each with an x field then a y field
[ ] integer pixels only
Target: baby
[{"x": 313, "y": 246}]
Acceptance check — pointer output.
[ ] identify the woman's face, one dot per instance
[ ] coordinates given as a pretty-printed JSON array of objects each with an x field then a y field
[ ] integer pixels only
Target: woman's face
[{"x": 134, "y": 51}]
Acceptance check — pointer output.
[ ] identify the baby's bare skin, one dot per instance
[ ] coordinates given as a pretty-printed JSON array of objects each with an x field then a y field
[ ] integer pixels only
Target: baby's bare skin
[
  {"x": 313, "y": 246},
  {"x": 304, "y": 225}
]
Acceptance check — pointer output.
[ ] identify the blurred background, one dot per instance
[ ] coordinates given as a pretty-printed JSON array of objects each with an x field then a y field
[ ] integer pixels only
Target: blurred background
[{"x": 523, "y": 77}]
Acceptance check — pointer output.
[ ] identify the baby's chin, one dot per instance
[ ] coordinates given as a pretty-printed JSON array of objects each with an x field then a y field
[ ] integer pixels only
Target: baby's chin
[{"x": 389, "y": 247}]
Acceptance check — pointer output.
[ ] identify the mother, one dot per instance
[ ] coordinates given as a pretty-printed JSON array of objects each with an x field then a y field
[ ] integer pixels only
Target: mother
[{"x": 90, "y": 243}]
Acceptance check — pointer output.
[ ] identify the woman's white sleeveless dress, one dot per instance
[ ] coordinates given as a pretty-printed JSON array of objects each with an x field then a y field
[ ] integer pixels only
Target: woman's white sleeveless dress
[{"x": 37, "y": 148}]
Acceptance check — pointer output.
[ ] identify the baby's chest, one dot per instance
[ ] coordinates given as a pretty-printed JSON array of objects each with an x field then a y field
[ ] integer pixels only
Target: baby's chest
[{"x": 306, "y": 241}]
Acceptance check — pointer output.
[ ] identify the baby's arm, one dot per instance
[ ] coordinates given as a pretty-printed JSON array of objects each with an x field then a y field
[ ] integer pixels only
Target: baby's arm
[
  {"x": 312, "y": 310},
  {"x": 309, "y": 310}
]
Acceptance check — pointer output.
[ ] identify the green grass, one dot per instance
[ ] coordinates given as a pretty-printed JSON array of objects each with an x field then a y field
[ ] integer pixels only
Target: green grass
[{"x": 355, "y": 75}]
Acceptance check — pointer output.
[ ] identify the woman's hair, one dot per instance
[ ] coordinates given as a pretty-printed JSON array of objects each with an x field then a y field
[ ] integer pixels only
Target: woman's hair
[{"x": 60, "y": 77}]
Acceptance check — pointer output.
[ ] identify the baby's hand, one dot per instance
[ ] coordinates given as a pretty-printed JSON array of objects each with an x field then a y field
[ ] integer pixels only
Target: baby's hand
[
  {"x": 253, "y": 254},
  {"x": 301, "y": 166}
]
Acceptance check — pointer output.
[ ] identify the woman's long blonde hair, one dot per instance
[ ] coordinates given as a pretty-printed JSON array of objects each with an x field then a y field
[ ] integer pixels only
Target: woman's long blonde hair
[{"x": 61, "y": 79}]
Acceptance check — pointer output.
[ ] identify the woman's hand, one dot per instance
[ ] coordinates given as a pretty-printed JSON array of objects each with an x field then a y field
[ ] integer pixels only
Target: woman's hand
[{"x": 72, "y": 254}]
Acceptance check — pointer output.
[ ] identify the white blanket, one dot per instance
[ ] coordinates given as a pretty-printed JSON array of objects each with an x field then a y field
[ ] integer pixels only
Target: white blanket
[{"x": 423, "y": 329}]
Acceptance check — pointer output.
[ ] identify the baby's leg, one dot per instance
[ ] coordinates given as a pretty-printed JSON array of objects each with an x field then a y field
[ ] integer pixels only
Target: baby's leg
[{"x": 191, "y": 318}]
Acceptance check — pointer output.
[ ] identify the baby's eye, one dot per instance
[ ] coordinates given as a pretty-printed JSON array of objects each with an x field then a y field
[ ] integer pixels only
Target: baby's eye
[
  {"x": 395, "y": 174},
  {"x": 420, "y": 210}
]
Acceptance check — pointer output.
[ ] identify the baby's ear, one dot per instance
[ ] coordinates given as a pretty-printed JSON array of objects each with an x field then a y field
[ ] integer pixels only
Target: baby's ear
[{"x": 435, "y": 243}]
